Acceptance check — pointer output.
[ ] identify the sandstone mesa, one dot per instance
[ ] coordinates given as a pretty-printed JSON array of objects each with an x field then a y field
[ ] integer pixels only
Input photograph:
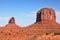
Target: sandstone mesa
[{"x": 45, "y": 28}]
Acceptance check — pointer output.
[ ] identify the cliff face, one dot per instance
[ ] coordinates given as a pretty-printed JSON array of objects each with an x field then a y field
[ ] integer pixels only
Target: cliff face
[
  {"x": 46, "y": 14},
  {"x": 45, "y": 28}
]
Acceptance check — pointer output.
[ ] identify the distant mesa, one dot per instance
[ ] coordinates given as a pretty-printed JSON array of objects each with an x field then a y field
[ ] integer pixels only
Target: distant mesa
[
  {"x": 12, "y": 20},
  {"x": 11, "y": 24},
  {"x": 46, "y": 14}
]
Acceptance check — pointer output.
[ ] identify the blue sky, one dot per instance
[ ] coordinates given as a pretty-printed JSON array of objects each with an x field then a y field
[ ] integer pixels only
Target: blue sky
[{"x": 25, "y": 10}]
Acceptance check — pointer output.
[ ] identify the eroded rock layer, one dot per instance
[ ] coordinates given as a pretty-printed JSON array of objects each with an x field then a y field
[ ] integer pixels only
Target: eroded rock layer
[{"x": 45, "y": 28}]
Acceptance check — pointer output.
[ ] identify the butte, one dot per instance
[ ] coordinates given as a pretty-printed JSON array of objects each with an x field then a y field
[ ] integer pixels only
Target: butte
[{"x": 45, "y": 23}]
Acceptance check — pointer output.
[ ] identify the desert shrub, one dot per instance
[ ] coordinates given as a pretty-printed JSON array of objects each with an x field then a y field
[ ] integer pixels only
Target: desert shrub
[{"x": 57, "y": 33}]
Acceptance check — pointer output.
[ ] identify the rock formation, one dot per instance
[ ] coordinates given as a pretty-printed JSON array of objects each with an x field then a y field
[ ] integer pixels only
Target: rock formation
[
  {"x": 45, "y": 28},
  {"x": 46, "y": 14},
  {"x": 45, "y": 22},
  {"x": 11, "y": 24},
  {"x": 12, "y": 20}
]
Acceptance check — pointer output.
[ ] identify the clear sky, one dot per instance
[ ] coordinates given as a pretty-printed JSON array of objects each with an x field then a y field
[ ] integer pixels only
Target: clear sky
[{"x": 24, "y": 11}]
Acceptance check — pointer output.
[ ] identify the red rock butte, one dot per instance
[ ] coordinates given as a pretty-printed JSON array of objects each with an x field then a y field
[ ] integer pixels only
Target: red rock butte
[{"x": 45, "y": 28}]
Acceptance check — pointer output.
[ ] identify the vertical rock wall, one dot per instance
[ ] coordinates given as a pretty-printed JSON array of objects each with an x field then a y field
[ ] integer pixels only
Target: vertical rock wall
[{"x": 46, "y": 14}]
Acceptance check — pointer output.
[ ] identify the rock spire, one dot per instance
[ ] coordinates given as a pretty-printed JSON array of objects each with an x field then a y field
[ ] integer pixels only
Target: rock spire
[{"x": 12, "y": 20}]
